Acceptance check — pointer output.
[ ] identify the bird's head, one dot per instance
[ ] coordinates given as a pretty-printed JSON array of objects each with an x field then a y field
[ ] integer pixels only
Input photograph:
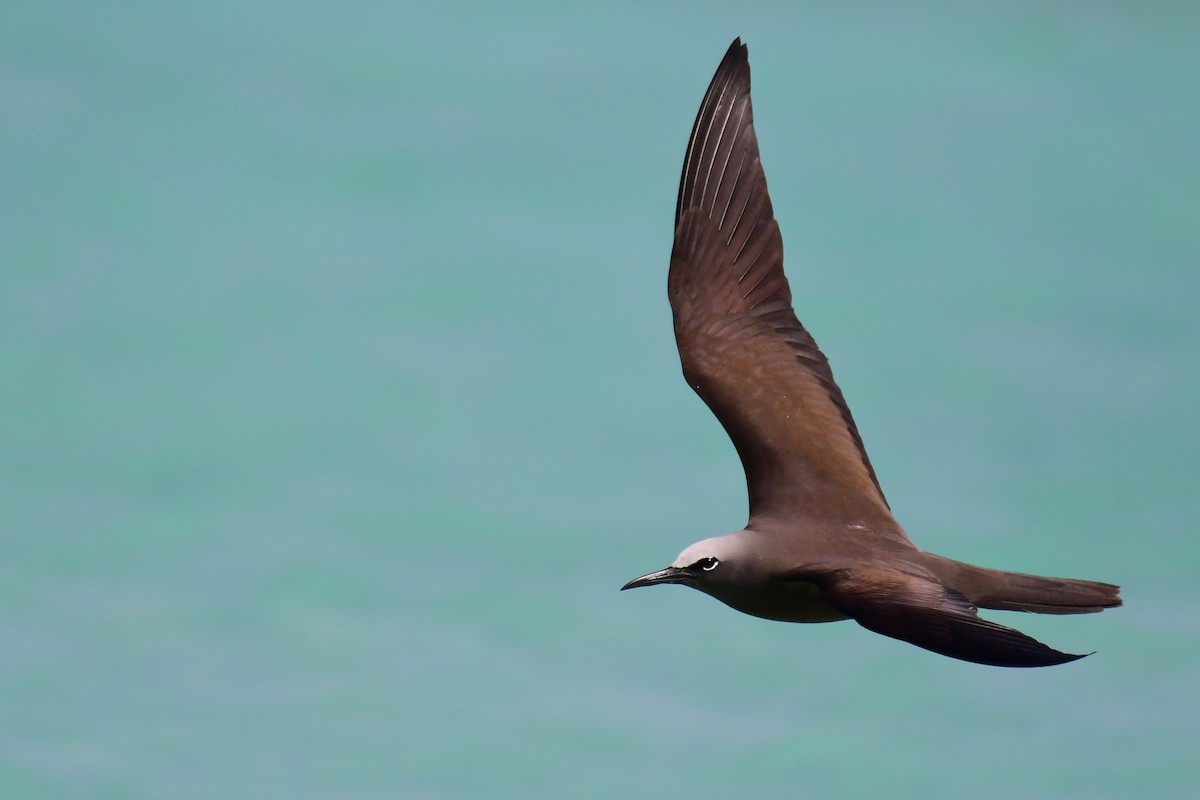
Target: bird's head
[{"x": 707, "y": 565}]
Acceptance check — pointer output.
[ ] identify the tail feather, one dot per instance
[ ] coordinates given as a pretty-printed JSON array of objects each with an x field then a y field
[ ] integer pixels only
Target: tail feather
[
  {"x": 1020, "y": 592},
  {"x": 1016, "y": 591}
]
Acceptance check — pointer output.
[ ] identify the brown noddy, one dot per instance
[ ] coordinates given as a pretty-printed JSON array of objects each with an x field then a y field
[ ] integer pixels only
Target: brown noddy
[{"x": 821, "y": 543}]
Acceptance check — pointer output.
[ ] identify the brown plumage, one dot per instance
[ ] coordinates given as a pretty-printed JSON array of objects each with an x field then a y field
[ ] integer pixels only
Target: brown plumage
[{"x": 821, "y": 543}]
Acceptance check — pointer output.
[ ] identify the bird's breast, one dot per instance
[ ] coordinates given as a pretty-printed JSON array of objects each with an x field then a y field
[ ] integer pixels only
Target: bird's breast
[{"x": 782, "y": 601}]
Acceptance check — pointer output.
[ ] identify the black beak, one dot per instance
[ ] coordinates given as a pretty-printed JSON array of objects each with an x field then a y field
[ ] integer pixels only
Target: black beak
[{"x": 668, "y": 575}]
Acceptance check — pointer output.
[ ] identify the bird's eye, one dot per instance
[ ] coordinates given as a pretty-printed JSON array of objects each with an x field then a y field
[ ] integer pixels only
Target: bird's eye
[{"x": 708, "y": 564}]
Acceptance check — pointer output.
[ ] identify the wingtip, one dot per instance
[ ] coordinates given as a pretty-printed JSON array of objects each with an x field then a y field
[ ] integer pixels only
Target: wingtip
[
  {"x": 1043, "y": 656},
  {"x": 738, "y": 51},
  {"x": 1034, "y": 654},
  {"x": 1063, "y": 658},
  {"x": 735, "y": 62},
  {"x": 735, "y": 57}
]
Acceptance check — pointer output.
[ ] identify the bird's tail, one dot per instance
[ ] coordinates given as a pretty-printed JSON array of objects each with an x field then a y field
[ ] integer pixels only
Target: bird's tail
[{"x": 1016, "y": 591}]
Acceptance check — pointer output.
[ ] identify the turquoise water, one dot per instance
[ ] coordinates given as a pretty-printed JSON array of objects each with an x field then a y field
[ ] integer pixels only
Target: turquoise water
[{"x": 338, "y": 396}]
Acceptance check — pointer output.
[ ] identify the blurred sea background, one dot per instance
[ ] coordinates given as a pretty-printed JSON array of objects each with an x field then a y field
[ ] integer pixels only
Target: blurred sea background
[{"x": 338, "y": 396}]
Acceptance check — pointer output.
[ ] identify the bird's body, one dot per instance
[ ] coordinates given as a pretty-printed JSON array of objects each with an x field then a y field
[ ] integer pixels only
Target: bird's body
[{"x": 821, "y": 544}]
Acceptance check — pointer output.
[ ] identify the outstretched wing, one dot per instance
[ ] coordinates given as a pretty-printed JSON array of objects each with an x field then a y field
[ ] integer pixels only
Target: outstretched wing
[
  {"x": 742, "y": 348},
  {"x": 929, "y": 615}
]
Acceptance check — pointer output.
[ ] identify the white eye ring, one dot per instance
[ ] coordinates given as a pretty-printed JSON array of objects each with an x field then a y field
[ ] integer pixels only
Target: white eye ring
[{"x": 711, "y": 565}]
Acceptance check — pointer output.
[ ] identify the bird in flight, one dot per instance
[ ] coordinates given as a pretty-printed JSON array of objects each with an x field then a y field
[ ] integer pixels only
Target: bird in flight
[{"x": 821, "y": 543}]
